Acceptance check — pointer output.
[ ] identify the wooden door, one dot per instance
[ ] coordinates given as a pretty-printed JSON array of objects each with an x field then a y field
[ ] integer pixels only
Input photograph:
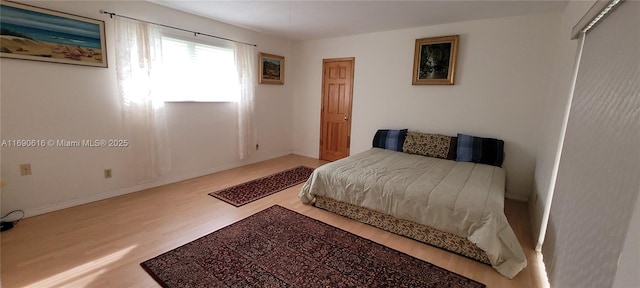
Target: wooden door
[{"x": 335, "y": 114}]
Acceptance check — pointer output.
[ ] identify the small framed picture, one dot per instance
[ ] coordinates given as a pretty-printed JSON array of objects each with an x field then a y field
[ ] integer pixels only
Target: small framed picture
[
  {"x": 434, "y": 61},
  {"x": 271, "y": 69},
  {"x": 33, "y": 33}
]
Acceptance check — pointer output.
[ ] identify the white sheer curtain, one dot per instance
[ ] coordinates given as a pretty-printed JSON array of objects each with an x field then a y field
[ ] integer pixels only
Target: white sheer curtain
[
  {"x": 138, "y": 59},
  {"x": 246, "y": 65}
]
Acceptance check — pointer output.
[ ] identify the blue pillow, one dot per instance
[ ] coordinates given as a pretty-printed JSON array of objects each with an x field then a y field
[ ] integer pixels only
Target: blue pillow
[
  {"x": 480, "y": 150},
  {"x": 390, "y": 139}
]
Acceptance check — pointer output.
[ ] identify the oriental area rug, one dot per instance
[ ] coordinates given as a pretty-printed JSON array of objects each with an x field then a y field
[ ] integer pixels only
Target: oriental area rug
[
  {"x": 281, "y": 248},
  {"x": 253, "y": 190}
]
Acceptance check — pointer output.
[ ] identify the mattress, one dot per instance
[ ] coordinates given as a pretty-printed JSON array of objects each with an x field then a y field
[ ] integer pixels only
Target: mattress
[{"x": 462, "y": 198}]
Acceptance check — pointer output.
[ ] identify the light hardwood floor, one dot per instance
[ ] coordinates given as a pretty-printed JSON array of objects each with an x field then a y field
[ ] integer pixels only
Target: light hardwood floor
[{"x": 101, "y": 244}]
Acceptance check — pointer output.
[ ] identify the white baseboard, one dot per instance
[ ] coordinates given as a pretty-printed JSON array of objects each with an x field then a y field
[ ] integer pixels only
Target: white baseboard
[
  {"x": 310, "y": 155},
  {"x": 516, "y": 197},
  {"x": 109, "y": 194},
  {"x": 86, "y": 199}
]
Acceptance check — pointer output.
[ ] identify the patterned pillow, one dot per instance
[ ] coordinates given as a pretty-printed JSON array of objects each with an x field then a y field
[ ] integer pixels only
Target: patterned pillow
[
  {"x": 430, "y": 145},
  {"x": 389, "y": 139},
  {"x": 480, "y": 150}
]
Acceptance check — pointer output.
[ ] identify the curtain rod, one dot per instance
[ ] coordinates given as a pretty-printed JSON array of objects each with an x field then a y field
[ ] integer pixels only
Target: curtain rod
[
  {"x": 195, "y": 33},
  {"x": 599, "y": 10}
]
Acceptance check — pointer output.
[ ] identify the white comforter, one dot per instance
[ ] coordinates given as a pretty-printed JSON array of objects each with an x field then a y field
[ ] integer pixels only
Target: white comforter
[{"x": 462, "y": 198}]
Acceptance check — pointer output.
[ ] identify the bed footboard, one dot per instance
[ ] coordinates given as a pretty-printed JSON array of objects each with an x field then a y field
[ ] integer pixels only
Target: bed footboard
[{"x": 413, "y": 230}]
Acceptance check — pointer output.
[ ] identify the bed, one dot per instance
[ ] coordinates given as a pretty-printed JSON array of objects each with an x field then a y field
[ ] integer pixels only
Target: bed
[{"x": 450, "y": 204}]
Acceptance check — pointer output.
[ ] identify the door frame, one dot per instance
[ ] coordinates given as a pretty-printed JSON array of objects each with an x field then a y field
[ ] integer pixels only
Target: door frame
[{"x": 353, "y": 69}]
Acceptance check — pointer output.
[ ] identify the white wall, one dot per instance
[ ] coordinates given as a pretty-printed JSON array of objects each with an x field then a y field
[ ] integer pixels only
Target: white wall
[
  {"x": 554, "y": 111},
  {"x": 56, "y": 101},
  {"x": 502, "y": 77}
]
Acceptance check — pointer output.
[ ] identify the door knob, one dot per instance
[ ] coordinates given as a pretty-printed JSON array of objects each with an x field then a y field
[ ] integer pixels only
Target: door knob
[{"x": 345, "y": 118}]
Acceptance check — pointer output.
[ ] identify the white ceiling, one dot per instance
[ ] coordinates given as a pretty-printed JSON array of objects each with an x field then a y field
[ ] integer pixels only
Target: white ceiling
[{"x": 305, "y": 20}]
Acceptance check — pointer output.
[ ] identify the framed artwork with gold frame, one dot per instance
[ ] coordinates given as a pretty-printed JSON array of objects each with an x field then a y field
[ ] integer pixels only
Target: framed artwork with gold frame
[
  {"x": 434, "y": 61},
  {"x": 271, "y": 69}
]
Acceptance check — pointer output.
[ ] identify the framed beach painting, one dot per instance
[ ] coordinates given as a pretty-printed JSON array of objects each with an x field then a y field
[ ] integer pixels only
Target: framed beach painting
[
  {"x": 271, "y": 69},
  {"x": 434, "y": 61},
  {"x": 33, "y": 33}
]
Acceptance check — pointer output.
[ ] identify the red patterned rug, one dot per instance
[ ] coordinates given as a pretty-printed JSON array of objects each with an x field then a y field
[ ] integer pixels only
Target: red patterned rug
[
  {"x": 253, "y": 190},
  {"x": 281, "y": 248}
]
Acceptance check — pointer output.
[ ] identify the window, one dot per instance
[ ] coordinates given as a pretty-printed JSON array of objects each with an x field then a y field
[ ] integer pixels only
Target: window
[{"x": 193, "y": 71}]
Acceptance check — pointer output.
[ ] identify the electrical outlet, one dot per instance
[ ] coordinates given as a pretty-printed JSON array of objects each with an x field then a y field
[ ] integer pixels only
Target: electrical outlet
[
  {"x": 107, "y": 173},
  {"x": 25, "y": 169}
]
